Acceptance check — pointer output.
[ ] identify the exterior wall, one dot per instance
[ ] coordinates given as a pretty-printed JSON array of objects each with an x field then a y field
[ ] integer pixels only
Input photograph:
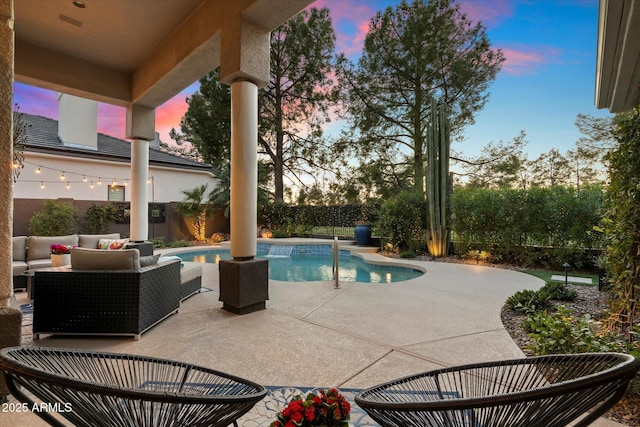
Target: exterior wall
[
  {"x": 171, "y": 229},
  {"x": 166, "y": 184}
]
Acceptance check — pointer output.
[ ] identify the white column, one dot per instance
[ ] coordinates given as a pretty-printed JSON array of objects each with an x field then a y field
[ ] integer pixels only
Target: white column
[
  {"x": 244, "y": 169},
  {"x": 139, "y": 196},
  {"x": 6, "y": 148}
]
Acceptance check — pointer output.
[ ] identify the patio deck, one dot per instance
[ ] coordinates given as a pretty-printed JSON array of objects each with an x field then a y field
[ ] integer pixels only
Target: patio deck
[{"x": 312, "y": 335}]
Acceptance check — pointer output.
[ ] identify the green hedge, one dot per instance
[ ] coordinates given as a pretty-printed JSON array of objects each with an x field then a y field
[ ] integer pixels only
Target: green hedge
[{"x": 537, "y": 226}]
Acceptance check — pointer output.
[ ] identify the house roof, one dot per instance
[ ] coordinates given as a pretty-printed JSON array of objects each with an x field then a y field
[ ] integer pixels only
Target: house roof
[
  {"x": 618, "y": 59},
  {"x": 42, "y": 137}
]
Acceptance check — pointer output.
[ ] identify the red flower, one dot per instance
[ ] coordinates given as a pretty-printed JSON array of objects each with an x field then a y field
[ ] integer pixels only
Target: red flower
[{"x": 328, "y": 408}]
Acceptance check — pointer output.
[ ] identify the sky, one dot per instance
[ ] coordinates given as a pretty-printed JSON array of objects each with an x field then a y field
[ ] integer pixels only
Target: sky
[{"x": 548, "y": 77}]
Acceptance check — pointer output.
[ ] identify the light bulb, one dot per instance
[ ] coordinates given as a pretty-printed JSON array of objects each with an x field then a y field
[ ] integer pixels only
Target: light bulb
[
  {"x": 38, "y": 170},
  {"x": 68, "y": 186},
  {"x": 41, "y": 184},
  {"x": 62, "y": 175}
]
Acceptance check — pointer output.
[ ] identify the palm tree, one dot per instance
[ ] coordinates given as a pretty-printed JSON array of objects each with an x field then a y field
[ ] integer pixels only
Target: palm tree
[{"x": 198, "y": 207}]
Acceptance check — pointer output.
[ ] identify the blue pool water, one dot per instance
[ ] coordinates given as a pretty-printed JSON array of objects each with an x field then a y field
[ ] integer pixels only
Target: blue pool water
[{"x": 313, "y": 264}]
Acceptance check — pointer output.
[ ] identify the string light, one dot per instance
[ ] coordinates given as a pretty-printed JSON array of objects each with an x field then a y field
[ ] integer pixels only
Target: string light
[{"x": 67, "y": 177}]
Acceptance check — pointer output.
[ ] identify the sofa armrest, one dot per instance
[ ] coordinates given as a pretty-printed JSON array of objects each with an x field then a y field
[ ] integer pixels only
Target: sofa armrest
[{"x": 104, "y": 301}]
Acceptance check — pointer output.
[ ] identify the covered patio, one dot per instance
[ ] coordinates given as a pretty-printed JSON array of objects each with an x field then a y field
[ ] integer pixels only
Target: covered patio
[
  {"x": 138, "y": 55},
  {"x": 312, "y": 335}
]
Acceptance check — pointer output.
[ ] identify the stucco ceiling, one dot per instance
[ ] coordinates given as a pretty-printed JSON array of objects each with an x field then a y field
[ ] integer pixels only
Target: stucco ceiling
[
  {"x": 129, "y": 51},
  {"x": 618, "y": 60}
]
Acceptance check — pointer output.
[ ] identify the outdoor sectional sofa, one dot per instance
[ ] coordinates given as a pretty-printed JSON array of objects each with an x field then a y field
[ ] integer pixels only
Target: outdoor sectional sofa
[
  {"x": 33, "y": 252},
  {"x": 105, "y": 293}
]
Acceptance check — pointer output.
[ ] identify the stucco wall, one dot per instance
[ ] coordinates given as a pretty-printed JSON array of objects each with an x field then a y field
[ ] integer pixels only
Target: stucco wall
[{"x": 166, "y": 186}]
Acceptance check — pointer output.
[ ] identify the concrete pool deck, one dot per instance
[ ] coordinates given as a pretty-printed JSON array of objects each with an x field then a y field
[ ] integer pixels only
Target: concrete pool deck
[{"x": 312, "y": 335}]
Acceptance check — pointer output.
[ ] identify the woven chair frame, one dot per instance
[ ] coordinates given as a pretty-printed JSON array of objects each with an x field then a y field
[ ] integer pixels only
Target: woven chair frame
[
  {"x": 113, "y": 389},
  {"x": 540, "y": 391},
  {"x": 114, "y": 302}
]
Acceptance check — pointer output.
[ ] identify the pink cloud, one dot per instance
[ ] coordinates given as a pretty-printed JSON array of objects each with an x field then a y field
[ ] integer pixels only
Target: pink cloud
[
  {"x": 169, "y": 114},
  {"x": 111, "y": 120},
  {"x": 489, "y": 12},
  {"x": 350, "y": 15},
  {"x": 527, "y": 60}
]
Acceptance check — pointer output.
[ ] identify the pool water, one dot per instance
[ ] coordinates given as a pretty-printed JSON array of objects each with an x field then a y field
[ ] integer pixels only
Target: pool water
[{"x": 315, "y": 267}]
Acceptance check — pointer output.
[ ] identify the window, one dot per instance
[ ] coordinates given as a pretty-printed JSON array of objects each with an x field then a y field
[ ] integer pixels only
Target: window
[{"x": 116, "y": 193}]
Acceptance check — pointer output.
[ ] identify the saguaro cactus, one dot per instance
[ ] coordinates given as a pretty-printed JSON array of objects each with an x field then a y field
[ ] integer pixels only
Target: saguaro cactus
[{"x": 437, "y": 180}]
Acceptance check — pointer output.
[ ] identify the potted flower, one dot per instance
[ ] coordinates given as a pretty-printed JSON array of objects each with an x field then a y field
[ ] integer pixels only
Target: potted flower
[
  {"x": 328, "y": 408},
  {"x": 60, "y": 255}
]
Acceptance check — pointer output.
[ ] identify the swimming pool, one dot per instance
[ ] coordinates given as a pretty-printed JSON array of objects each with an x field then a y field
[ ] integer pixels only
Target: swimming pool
[{"x": 305, "y": 263}]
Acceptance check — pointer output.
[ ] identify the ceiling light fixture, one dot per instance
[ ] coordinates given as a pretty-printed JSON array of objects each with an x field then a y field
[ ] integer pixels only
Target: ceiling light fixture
[{"x": 80, "y": 4}]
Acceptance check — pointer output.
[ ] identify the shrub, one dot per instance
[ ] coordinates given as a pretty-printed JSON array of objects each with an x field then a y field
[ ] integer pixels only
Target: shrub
[
  {"x": 54, "y": 219},
  {"x": 559, "y": 332},
  {"x": 98, "y": 218},
  {"x": 401, "y": 220},
  {"x": 408, "y": 254},
  {"x": 558, "y": 291},
  {"x": 527, "y": 301},
  {"x": 158, "y": 242}
]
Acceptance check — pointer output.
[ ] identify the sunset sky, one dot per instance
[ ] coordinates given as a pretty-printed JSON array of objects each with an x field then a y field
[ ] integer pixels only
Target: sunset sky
[{"x": 547, "y": 79}]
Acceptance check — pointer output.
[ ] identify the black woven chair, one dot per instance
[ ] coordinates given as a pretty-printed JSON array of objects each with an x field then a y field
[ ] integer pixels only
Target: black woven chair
[
  {"x": 110, "y": 389},
  {"x": 540, "y": 391}
]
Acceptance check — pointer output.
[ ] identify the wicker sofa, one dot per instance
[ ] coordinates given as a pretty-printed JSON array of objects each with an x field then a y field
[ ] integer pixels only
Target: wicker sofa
[
  {"x": 105, "y": 293},
  {"x": 33, "y": 252}
]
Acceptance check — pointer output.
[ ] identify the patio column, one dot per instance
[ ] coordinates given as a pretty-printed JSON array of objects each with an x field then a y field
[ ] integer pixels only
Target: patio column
[
  {"x": 244, "y": 169},
  {"x": 244, "y": 65},
  {"x": 10, "y": 317},
  {"x": 140, "y": 130}
]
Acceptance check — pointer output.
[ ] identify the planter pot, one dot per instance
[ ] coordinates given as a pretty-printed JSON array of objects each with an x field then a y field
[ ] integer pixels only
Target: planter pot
[
  {"x": 60, "y": 260},
  {"x": 363, "y": 234}
]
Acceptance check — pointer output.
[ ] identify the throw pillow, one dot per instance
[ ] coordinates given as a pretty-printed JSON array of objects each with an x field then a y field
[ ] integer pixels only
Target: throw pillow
[
  {"x": 112, "y": 244},
  {"x": 148, "y": 260}
]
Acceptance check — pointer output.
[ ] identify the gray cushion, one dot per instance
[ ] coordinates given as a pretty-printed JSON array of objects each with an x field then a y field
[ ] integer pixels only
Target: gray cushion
[
  {"x": 91, "y": 240},
  {"x": 148, "y": 260},
  {"x": 19, "y": 267},
  {"x": 39, "y": 247},
  {"x": 20, "y": 248},
  {"x": 190, "y": 271},
  {"x": 95, "y": 259}
]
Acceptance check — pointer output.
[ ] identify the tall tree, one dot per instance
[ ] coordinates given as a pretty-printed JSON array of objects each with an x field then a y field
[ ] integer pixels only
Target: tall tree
[
  {"x": 295, "y": 103},
  {"x": 551, "y": 169},
  {"x": 412, "y": 54},
  {"x": 206, "y": 126}
]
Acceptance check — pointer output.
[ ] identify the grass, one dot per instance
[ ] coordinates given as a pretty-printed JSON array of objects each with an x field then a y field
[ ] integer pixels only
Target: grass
[{"x": 546, "y": 276}]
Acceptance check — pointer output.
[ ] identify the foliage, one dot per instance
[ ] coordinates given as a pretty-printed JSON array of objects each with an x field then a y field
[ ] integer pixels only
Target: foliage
[
  {"x": 98, "y": 218},
  {"x": 211, "y": 139},
  {"x": 178, "y": 244},
  {"x": 19, "y": 142},
  {"x": 557, "y": 291},
  {"x": 158, "y": 242},
  {"x": 560, "y": 332},
  {"x": 527, "y": 301},
  {"x": 407, "y": 254},
  {"x": 622, "y": 221},
  {"x": 414, "y": 54},
  {"x": 294, "y": 105},
  {"x": 400, "y": 220},
  {"x": 518, "y": 226},
  {"x": 54, "y": 218},
  {"x": 328, "y": 408},
  {"x": 196, "y": 205}
]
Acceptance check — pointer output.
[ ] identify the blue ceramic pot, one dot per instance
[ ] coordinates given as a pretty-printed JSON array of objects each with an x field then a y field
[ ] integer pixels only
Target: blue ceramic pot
[{"x": 363, "y": 234}]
